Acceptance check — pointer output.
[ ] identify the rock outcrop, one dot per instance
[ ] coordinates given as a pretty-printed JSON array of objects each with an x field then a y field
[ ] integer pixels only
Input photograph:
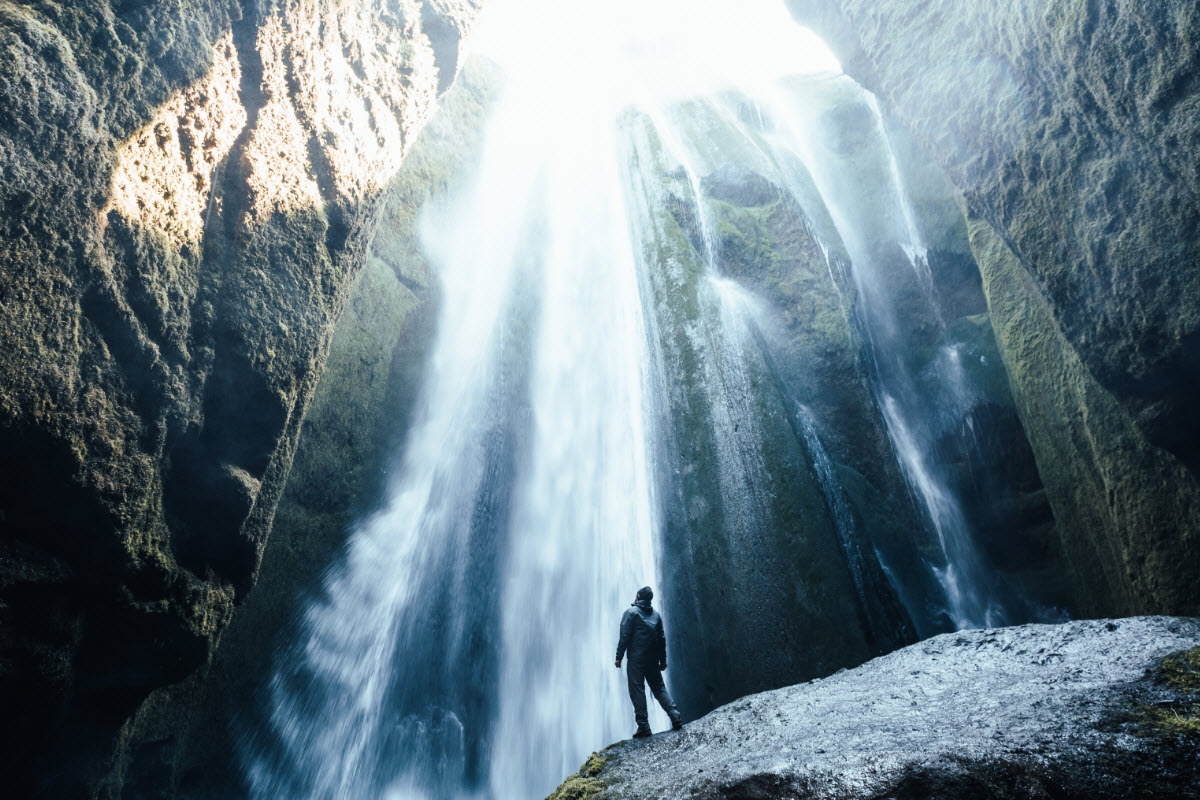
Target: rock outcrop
[
  {"x": 187, "y": 190},
  {"x": 1071, "y": 131},
  {"x": 1080, "y": 710},
  {"x": 755, "y": 553},
  {"x": 356, "y": 422}
]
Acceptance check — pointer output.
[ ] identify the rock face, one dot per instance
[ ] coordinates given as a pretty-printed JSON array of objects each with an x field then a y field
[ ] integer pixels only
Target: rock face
[
  {"x": 811, "y": 393},
  {"x": 1079, "y": 710},
  {"x": 357, "y": 419},
  {"x": 754, "y": 553},
  {"x": 1071, "y": 131},
  {"x": 188, "y": 189}
]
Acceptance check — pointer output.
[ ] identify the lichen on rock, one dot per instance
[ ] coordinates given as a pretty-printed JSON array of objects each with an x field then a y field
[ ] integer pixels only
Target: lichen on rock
[
  {"x": 1176, "y": 717},
  {"x": 584, "y": 784}
]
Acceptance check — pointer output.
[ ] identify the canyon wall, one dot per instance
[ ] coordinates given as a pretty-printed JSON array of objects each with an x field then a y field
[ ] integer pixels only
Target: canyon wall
[
  {"x": 357, "y": 421},
  {"x": 187, "y": 190},
  {"x": 1070, "y": 130},
  {"x": 754, "y": 559}
]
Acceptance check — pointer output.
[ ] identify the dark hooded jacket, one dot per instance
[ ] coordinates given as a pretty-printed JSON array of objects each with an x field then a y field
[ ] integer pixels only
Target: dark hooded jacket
[{"x": 643, "y": 636}]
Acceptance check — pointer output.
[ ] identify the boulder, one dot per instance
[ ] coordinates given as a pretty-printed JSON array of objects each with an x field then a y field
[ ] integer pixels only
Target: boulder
[{"x": 1106, "y": 708}]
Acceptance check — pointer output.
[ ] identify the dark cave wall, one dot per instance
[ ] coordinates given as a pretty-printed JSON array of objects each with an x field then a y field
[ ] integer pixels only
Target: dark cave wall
[
  {"x": 1071, "y": 131},
  {"x": 187, "y": 190}
]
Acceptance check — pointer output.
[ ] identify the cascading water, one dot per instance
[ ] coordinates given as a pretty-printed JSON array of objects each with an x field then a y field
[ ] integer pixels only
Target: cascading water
[
  {"x": 460, "y": 648},
  {"x": 912, "y": 417},
  {"x": 914, "y": 420}
]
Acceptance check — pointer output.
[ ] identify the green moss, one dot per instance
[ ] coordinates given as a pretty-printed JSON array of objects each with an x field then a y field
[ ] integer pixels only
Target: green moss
[
  {"x": 594, "y": 765},
  {"x": 745, "y": 237},
  {"x": 1181, "y": 718},
  {"x": 584, "y": 783},
  {"x": 1182, "y": 670},
  {"x": 577, "y": 787},
  {"x": 1171, "y": 722}
]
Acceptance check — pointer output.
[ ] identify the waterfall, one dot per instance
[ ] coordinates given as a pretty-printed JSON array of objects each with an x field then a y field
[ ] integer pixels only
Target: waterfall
[
  {"x": 463, "y": 646},
  {"x": 843, "y": 516},
  {"x": 913, "y": 419}
]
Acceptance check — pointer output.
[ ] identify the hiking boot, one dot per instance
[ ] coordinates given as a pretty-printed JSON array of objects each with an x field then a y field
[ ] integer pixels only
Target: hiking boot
[
  {"x": 676, "y": 724},
  {"x": 642, "y": 732}
]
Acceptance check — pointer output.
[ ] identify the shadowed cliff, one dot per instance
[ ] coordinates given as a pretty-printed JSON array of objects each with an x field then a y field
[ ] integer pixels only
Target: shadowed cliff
[
  {"x": 1070, "y": 130},
  {"x": 188, "y": 189}
]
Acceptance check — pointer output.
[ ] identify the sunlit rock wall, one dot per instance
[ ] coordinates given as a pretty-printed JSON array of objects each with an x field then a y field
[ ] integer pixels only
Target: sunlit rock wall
[
  {"x": 1071, "y": 130},
  {"x": 356, "y": 423},
  {"x": 187, "y": 190}
]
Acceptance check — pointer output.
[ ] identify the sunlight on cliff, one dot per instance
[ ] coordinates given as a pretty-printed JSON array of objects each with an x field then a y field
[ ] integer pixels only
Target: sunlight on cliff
[{"x": 165, "y": 172}]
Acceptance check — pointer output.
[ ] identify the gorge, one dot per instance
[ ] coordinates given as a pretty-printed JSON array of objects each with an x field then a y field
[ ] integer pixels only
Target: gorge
[{"x": 362, "y": 359}]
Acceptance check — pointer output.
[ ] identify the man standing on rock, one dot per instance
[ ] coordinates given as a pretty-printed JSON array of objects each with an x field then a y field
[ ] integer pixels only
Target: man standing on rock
[{"x": 643, "y": 636}]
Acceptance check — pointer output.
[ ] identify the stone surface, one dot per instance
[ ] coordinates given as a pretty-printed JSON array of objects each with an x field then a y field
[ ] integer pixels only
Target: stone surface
[
  {"x": 353, "y": 428},
  {"x": 1071, "y": 131},
  {"x": 187, "y": 190},
  {"x": 1063, "y": 711},
  {"x": 755, "y": 559},
  {"x": 1127, "y": 512}
]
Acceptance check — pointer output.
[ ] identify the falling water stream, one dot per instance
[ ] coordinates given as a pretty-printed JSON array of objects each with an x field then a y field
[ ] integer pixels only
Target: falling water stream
[{"x": 463, "y": 646}]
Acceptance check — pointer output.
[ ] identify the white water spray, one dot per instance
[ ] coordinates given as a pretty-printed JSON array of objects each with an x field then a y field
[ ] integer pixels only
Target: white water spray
[{"x": 460, "y": 649}]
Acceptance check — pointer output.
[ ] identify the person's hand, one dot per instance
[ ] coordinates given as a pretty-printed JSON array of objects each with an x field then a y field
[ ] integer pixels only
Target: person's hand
[
  {"x": 662, "y": 666},
  {"x": 618, "y": 663}
]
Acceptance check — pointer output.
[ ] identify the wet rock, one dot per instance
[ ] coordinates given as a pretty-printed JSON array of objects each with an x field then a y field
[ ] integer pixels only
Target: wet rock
[
  {"x": 755, "y": 555},
  {"x": 1070, "y": 131},
  {"x": 733, "y": 183},
  {"x": 188, "y": 192},
  {"x": 1036, "y": 711}
]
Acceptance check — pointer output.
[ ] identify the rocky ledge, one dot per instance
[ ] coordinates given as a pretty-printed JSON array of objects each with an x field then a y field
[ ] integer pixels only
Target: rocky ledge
[{"x": 1079, "y": 710}]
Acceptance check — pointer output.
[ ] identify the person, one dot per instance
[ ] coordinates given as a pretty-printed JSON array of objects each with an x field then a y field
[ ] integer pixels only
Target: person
[{"x": 645, "y": 641}]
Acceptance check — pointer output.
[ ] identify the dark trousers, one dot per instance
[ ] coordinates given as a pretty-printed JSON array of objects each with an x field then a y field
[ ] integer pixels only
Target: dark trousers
[{"x": 640, "y": 674}]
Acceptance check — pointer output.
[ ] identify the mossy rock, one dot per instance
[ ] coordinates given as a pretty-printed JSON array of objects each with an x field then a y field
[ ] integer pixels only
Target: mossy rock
[
  {"x": 1178, "y": 717},
  {"x": 1182, "y": 670},
  {"x": 761, "y": 538},
  {"x": 585, "y": 783}
]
